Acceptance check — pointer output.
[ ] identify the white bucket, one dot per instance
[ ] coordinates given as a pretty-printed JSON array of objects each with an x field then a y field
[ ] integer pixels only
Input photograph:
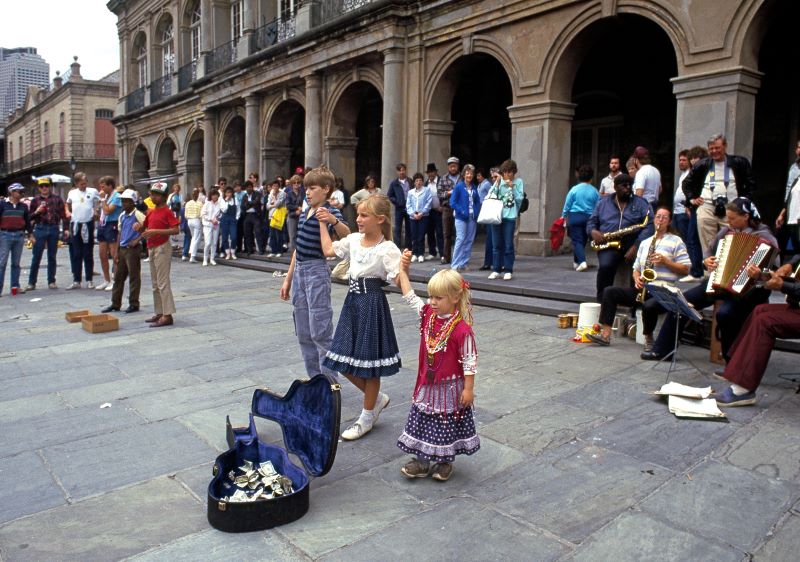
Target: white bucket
[{"x": 588, "y": 314}]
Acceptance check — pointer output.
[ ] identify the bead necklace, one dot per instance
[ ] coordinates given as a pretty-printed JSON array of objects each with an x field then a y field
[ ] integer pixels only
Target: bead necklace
[{"x": 437, "y": 342}]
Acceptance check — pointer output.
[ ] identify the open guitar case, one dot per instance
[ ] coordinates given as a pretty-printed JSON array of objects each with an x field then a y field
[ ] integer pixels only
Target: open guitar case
[{"x": 309, "y": 415}]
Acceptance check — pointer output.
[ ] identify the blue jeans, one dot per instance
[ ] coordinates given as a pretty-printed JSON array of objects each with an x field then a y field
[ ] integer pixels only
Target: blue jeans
[
  {"x": 687, "y": 226},
  {"x": 503, "y": 246},
  {"x": 465, "y": 235},
  {"x": 488, "y": 250},
  {"x": 187, "y": 237},
  {"x": 276, "y": 240},
  {"x": 45, "y": 235},
  {"x": 576, "y": 225},
  {"x": 82, "y": 252},
  {"x": 418, "y": 229},
  {"x": 227, "y": 227},
  {"x": 313, "y": 313},
  {"x": 10, "y": 243}
]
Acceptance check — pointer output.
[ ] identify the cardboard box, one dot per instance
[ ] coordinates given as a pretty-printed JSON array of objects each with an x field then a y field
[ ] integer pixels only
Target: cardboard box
[
  {"x": 99, "y": 323},
  {"x": 76, "y": 315}
]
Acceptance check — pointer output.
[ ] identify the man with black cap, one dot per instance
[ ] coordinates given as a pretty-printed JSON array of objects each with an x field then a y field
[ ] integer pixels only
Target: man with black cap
[
  {"x": 612, "y": 214},
  {"x": 14, "y": 225},
  {"x": 159, "y": 224},
  {"x": 49, "y": 218},
  {"x": 444, "y": 190},
  {"x": 434, "y": 233}
]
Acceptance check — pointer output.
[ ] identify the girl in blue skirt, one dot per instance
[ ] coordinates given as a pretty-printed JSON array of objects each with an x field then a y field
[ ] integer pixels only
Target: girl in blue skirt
[{"x": 364, "y": 346}]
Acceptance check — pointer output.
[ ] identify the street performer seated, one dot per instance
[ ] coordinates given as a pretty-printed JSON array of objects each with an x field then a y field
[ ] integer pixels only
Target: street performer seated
[
  {"x": 616, "y": 227},
  {"x": 750, "y": 352},
  {"x": 742, "y": 216},
  {"x": 663, "y": 253}
]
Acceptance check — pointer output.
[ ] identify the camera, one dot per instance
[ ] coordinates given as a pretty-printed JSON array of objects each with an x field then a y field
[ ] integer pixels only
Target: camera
[{"x": 720, "y": 201}]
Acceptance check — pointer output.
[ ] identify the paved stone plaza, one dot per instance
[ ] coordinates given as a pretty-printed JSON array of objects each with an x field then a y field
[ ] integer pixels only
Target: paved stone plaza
[{"x": 576, "y": 460}]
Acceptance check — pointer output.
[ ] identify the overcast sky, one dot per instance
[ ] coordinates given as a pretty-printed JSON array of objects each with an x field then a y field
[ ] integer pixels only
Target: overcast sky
[{"x": 60, "y": 29}]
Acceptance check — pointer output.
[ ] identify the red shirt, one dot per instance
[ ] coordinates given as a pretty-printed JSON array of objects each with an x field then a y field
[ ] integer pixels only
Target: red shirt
[{"x": 160, "y": 218}]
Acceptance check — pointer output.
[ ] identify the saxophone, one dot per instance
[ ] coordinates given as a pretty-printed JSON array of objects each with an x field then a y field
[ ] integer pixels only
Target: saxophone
[
  {"x": 614, "y": 239},
  {"x": 648, "y": 273}
]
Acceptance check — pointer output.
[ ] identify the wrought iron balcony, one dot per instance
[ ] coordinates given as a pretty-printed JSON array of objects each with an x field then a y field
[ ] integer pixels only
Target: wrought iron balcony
[
  {"x": 222, "y": 56},
  {"x": 135, "y": 100},
  {"x": 274, "y": 32},
  {"x": 186, "y": 75},
  {"x": 62, "y": 152},
  {"x": 332, "y": 9},
  {"x": 161, "y": 89}
]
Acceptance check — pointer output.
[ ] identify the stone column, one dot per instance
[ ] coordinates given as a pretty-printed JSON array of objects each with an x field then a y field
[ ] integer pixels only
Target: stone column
[
  {"x": 719, "y": 101},
  {"x": 276, "y": 160},
  {"x": 251, "y": 128},
  {"x": 340, "y": 154},
  {"x": 436, "y": 135},
  {"x": 392, "y": 134},
  {"x": 540, "y": 145},
  {"x": 206, "y": 36},
  {"x": 209, "y": 148},
  {"x": 313, "y": 140}
]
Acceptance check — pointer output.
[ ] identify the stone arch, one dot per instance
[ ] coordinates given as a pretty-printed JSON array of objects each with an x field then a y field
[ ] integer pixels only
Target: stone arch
[
  {"x": 231, "y": 146},
  {"x": 292, "y": 94},
  {"x": 344, "y": 81},
  {"x": 140, "y": 161},
  {"x": 192, "y": 156},
  {"x": 353, "y": 131},
  {"x": 284, "y": 136},
  {"x": 166, "y": 157},
  {"x": 569, "y": 50}
]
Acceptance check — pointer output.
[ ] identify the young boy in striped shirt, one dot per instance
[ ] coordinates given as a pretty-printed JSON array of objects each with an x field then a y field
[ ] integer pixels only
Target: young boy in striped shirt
[{"x": 311, "y": 297}]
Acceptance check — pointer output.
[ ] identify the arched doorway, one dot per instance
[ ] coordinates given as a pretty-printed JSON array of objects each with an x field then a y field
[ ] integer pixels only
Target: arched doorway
[
  {"x": 777, "y": 115},
  {"x": 471, "y": 100},
  {"x": 623, "y": 101},
  {"x": 194, "y": 161},
  {"x": 353, "y": 144},
  {"x": 284, "y": 143},
  {"x": 166, "y": 161},
  {"x": 140, "y": 168},
  {"x": 231, "y": 155}
]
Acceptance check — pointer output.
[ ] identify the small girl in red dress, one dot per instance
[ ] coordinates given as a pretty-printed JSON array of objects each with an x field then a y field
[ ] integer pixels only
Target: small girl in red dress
[{"x": 440, "y": 424}]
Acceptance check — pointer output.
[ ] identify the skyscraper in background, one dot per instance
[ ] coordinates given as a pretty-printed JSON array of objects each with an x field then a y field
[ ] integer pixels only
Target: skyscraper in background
[{"x": 19, "y": 68}]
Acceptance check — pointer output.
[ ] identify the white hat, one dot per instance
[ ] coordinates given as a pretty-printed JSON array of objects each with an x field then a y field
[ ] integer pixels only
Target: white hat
[
  {"x": 453, "y": 160},
  {"x": 129, "y": 194}
]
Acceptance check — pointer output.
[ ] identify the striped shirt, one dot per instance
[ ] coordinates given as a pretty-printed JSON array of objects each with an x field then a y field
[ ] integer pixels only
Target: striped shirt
[
  {"x": 308, "y": 243},
  {"x": 669, "y": 245},
  {"x": 14, "y": 217}
]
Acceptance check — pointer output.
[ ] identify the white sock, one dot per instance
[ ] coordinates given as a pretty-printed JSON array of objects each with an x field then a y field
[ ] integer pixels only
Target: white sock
[
  {"x": 738, "y": 390},
  {"x": 367, "y": 416}
]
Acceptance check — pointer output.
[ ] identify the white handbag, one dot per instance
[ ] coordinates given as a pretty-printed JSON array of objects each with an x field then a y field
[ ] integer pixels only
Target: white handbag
[{"x": 491, "y": 211}]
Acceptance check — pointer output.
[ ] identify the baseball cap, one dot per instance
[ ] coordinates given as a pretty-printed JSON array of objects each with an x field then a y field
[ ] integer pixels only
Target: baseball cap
[
  {"x": 16, "y": 187},
  {"x": 129, "y": 194},
  {"x": 159, "y": 187},
  {"x": 453, "y": 160},
  {"x": 43, "y": 181}
]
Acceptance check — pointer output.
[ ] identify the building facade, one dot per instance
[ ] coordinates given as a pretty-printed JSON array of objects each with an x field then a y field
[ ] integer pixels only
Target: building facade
[
  {"x": 63, "y": 129},
  {"x": 19, "y": 68},
  {"x": 221, "y": 88}
]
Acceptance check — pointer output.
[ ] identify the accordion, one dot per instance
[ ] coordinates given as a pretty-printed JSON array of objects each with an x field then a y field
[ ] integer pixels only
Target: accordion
[{"x": 734, "y": 253}]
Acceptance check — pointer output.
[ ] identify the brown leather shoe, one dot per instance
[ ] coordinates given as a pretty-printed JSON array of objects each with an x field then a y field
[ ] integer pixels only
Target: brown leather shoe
[
  {"x": 153, "y": 318},
  {"x": 442, "y": 471},
  {"x": 415, "y": 469},
  {"x": 163, "y": 321}
]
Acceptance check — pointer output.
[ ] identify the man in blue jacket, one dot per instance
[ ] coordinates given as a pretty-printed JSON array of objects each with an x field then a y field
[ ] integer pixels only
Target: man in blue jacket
[{"x": 398, "y": 190}]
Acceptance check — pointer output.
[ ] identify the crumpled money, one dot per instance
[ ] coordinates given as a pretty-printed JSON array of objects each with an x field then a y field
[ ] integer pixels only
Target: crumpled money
[{"x": 252, "y": 482}]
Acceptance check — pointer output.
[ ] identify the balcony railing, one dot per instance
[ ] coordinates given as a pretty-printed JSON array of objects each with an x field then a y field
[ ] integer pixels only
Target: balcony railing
[
  {"x": 63, "y": 152},
  {"x": 274, "y": 32},
  {"x": 161, "y": 89},
  {"x": 186, "y": 75},
  {"x": 332, "y": 9},
  {"x": 135, "y": 100},
  {"x": 222, "y": 56}
]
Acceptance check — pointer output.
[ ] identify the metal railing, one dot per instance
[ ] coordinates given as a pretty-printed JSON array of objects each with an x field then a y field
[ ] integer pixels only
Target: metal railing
[
  {"x": 63, "y": 152},
  {"x": 135, "y": 100},
  {"x": 186, "y": 75},
  {"x": 161, "y": 88},
  {"x": 222, "y": 56},
  {"x": 274, "y": 32},
  {"x": 331, "y": 9}
]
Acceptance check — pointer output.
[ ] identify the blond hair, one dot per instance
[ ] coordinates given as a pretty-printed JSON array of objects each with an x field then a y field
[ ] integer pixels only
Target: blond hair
[
  {"x": 449, "y": 283},
  {"x": 379, "y": 206}
]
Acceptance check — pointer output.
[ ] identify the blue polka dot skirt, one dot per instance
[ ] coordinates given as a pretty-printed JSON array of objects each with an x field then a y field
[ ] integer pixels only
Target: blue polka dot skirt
[
  {"x": 439, "y": 437},
  {"x": 364, "y": 344}
]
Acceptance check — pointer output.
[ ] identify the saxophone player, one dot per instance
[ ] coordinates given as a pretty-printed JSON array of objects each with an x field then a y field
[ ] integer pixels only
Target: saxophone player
[
  {"x": 664, "y": 254},
  {"x": 624, "y": 219}
]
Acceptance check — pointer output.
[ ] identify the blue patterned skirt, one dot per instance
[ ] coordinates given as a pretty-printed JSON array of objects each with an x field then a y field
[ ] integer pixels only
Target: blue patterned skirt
[
  {"x": 439, "y": 437},
  {"x": 364, "y": 344}
]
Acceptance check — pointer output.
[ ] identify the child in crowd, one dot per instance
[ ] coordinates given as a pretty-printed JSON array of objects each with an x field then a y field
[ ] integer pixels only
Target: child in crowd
[
  {"x": 192, "y": 212},
  {"x": 128, "y": 261},
  {"x": 210, "y": 215},
  {"x": 364, "y": 347},
  {"x": 309, "y": 279},
  {"x": 276, "y": 200},
  {"x": 159, "y": 224},
  {"x": 440, "y": 424},
  {"x": 231, "y": 211},
  {"x": 418, "y": 206}
]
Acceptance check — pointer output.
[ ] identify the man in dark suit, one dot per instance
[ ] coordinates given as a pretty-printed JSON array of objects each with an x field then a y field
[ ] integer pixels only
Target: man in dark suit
[
  {"x": 398, "y": 190},
  {"x": 252, "y": 210}
]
